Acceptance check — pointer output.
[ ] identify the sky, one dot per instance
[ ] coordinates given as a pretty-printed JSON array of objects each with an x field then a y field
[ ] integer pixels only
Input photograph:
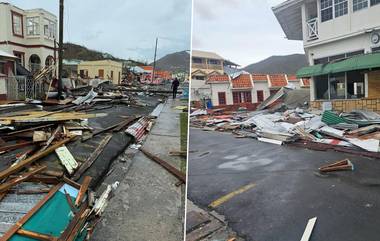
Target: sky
[
  {"x": 243, "y": 31},
  {"x": 125, "y": 29}
]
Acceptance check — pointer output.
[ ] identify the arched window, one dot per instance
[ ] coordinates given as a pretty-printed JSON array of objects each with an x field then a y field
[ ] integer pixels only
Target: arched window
[
  {"x": 34, "y": 63},
  {"x": 49, "y": 60}
]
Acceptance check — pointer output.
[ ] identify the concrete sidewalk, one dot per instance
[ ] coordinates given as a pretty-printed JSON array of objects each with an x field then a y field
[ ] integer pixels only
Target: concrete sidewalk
[{"x": 147, "y": 204}]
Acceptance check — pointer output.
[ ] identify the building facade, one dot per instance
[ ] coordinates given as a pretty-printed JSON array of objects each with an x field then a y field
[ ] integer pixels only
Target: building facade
[
  {"x": 203, "y": 64},
  {"x": 248, "y": 90},
  {"x": 29, "y": 35},
  {"x": 102, "y": 69},
  {"x": 341, "y": 40}
]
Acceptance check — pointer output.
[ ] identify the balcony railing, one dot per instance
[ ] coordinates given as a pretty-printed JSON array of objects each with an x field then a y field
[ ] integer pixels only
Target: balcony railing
[{"x": 312, "y": 29}]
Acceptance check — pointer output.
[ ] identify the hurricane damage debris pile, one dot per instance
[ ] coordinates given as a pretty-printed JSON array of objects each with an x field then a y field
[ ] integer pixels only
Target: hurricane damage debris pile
[
  {"x": 47, "y": 191},
  {"x": 356, "y": 132}
]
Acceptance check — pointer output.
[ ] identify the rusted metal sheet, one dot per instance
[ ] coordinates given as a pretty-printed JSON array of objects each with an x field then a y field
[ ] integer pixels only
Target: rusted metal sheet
[{"x": 138, "y": 129}]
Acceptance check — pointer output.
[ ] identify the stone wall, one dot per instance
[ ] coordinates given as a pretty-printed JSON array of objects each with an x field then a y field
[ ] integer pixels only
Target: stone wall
[{"x": 371, "y": 104}]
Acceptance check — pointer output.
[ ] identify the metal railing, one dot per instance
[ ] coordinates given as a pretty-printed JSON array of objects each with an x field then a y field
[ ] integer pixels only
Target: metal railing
[
  {"x": 312, "y": 28},
  {"x": 23, "y": 87}
]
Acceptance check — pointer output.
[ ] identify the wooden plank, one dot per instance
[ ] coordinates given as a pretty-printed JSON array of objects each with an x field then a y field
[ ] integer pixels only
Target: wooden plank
[
  {"x": 5, "y": 173},
  {"x": 309, "y": 228},
  {"x": 91, "y": 159},
  {"x": 73, "y": 223},
  {"x": 67, "y": 159},
  {"x": 26, "y": 217},
  {"x": 9, "y": 184},
  {"x": 29, "y": 129},
  {"x": 34, "y": 235},
  {"x": 16, "y": 146},
  {"x": 177, "y": 173},
  {"x": 83, "y": 189}
]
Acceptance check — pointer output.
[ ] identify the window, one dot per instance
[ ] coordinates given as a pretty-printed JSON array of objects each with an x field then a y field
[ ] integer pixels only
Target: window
[
  {"x": 376, "y": 49},
  {"x": 199, "y": 77},
  {"x": 2, "y": 68},
  {"x": 341, "y": 7},
  {"x": 101, "y": 73},
  {"x": 111, "y": 74},
  {"x": 374, "y": 2},
  {"x": 326, "y": 10},
  {"x": 351, "y": 54},
  {"x": 321, "y": 60},
  {"x": 214, "y": 61},
  {"x": 32, "y": 26},
  {"x": 337, "y": 57},
  {"x": 337, "y": 86},
  {"x": 355, "y": 85},
  {"x": 20, "y": 57},
  {"x": 50, "y": 28},
  {"x": 17, "y": 24},
  {"x": 222, "y": 98},
  {"x": 242, "y": 97},
  {"x": 197, "y": 60},
  {"x": 359, "y": 4}
]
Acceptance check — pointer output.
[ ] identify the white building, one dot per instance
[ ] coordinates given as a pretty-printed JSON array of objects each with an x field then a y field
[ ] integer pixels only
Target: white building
[
  {"x": 341, "y": 38},
  {"x": 29, "y": 35}
]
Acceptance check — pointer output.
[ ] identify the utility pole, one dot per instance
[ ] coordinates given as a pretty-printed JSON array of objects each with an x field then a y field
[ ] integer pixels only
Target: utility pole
[
  {"x": 154, "y": 61},
  {"x": 60, "y": 49}
]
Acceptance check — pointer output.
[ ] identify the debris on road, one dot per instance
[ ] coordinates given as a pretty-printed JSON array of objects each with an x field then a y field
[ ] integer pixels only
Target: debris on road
[
  {"x": 309, "y": 229},
  {"x": 342, "y": 165}
]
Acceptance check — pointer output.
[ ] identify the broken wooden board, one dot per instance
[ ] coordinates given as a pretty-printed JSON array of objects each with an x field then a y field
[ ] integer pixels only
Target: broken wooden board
[
  {"x": 67, "y": 159},
  {"x": 9, "y": 184}
]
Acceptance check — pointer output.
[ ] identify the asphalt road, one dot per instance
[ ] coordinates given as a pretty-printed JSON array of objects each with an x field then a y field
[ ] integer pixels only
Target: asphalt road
[{"x": 285, "y": 189}]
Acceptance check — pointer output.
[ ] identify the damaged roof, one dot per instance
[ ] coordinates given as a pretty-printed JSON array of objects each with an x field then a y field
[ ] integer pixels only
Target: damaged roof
[
  {"x": 243, "y": 81},
  {"x": 278, "y": 80}
]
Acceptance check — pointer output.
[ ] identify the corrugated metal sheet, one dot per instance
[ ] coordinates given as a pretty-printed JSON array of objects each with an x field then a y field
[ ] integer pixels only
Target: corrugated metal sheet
[
  {"x": 14, "y": 206},
  {"x": 138, "y": 129}
]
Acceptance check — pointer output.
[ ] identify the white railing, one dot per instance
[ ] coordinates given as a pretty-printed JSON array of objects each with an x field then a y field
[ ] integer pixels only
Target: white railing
[{"x": 312, "y": 28}]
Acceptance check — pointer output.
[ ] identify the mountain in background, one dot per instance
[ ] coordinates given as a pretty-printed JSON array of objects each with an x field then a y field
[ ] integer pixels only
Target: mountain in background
[
  {"x": 288, "y": 64},
  {"x": 175, "y": 62},
  {"x": 75, "y": 51}
]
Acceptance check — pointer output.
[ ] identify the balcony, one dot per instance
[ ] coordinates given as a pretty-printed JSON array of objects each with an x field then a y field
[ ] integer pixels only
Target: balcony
[{"x": 312, "y": 29}]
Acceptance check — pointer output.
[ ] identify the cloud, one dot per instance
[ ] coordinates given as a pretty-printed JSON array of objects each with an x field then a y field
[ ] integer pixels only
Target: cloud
[{"x": 243, "y": 31}]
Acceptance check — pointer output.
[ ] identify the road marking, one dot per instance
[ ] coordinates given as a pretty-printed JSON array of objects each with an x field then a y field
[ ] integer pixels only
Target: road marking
[{"x": 227, "y": 197}]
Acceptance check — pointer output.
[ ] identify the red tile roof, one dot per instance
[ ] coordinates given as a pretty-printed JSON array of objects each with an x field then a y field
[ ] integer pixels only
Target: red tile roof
[
  {"x": 278, "y": 80},
  {"x": 292, "y": 77},
  {"x": 259, "y": 77},
  {"x": 243, "y": 81},
  {"x": 306, "y": 82},
  {"x": 218, "y": 78}
]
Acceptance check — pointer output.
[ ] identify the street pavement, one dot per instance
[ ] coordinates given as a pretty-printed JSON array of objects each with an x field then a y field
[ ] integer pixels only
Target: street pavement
[
  {"x": 268, "y": 192},
  {"x": 147, "y": 205}
]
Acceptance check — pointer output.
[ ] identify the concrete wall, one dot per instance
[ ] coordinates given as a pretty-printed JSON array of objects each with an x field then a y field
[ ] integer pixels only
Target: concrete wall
[
  {"x": 260, "y": 86},
  {"x": 341, "y": 27},
  {"x": 107, "y": 65},
  {"x": 221, "y": 87}
]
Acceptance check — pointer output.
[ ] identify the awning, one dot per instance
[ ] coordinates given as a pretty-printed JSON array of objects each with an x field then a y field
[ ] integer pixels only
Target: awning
[{"x": 359, "y": 62}]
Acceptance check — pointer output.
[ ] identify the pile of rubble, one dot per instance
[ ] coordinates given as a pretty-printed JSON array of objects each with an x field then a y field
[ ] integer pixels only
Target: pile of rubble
[
  {"x": 355, "y": 132},
  {"x": 47, "y": 148}
]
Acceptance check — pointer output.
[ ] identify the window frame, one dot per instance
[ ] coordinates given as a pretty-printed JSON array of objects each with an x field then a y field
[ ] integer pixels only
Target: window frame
[
  {"x": 216, "y": 62},
  {"x": 196, "y": 58},
  {"x": 16, "y": 14},
  {"x": 51, "y": 30},
  {"x": 359, "y": 3},
  {"x": 326, "y": 8},
  {"x": 35, "y": 26},
  {"x": 339, "y": 3},
  {"x": 374, "y": 2}
]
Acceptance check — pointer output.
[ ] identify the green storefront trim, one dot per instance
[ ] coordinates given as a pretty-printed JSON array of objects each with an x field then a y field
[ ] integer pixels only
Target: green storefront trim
[{"x": 359, "y": 62}]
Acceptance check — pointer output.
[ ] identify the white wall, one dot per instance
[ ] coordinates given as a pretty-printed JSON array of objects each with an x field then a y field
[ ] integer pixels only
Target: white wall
[
  {"x": 221, "y": 87},
  {"x": 260, "y": 86},
  {"x": 350, "y": 24}
]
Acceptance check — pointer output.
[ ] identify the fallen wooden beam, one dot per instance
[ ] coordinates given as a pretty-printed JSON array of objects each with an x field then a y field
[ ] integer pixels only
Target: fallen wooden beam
[
  {"x": 83, "y": 189},
  {"x": 72, "y": 227},
  {"x": 5, "y": 173},
  {"x": 7, "y": 185},
  {"x": 342, "y": 165},
  {"x": 34, "y": 235},
  {"x": 180, "y": 175},
  {"x": 91, "y": 159},
  {"x": 16, "y": 146}
]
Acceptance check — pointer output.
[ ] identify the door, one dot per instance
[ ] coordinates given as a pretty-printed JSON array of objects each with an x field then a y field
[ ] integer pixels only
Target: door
[
  {"x": 222, "y": 98},
  {"x": 260, "y": 96},
  {"x": 101, "y": 73}
]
